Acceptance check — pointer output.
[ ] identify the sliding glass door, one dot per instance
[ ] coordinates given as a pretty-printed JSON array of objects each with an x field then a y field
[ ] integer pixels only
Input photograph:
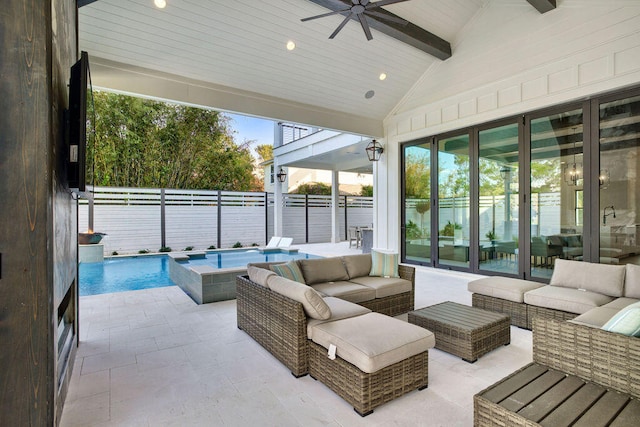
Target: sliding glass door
[
  {"x": 557, "y": 182},
  {"x": 513, "y": 197},
  {"x": 454, "y": 213},
  {"x": 619, "y": 172},
  {"x": 417, "y": 203},
  {"x": 498, "y": 203}
]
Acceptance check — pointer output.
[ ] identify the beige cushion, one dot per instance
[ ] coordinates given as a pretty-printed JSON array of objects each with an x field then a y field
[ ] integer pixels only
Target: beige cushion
[
  {"x": 259, "y": 275},
  {"x": 599, "y": 278},
  {"x": 620, "y": 303},
  {"x": 596, "y": 317},
  {"x": 565, "y": 299},
  {"x": 346, "y": 290},
  {"x": 323, "y": 270},
  {"x": 340, "y": 309},
  {"x": 358, "y": 340},
  {"x": 503, "y": 287},
  {"x": 357, "y": 265},
  {"x": 384, "y": 286},
  {"x": 632, "y": 281},
  {"x": 313, "y": 304}
]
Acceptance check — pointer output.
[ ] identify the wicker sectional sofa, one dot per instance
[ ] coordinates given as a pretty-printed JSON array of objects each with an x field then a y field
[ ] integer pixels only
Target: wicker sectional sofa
[
  {"x": 377, "y": 357},
  {"x": 580, "y": 376},
  {"x": 587, "y": 293}
]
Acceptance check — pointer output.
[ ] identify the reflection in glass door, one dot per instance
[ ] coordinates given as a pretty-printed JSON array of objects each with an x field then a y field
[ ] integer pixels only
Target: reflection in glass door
[
  {"x": 417, "y": 203},
  {"x": 453, "y": 201},
  {"x": 498, "y": 204},
  {"x": 557, "y": 176},
  {"x": 618, "y": 181}
]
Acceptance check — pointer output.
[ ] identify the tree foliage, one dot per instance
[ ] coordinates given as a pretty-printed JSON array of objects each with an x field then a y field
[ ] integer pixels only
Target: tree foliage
[
  {"x": 145, "y": 143},
  {"x": 417, "y": 174},
  {"x": 316, "y": 188},
  {"x": 265, "y": 152},
  {"x": 366, "y": 191}
]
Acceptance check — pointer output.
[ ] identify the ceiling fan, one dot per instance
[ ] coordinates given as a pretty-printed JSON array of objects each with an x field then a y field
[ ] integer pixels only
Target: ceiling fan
[{"x": 359, "y": 9}]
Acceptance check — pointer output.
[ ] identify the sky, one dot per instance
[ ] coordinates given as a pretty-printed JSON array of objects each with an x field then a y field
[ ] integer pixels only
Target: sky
[{"x": 251, "y": 128}]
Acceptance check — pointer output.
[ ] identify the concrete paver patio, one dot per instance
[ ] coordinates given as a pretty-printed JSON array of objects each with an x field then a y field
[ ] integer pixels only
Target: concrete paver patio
[{"x": 155, "y": 358}]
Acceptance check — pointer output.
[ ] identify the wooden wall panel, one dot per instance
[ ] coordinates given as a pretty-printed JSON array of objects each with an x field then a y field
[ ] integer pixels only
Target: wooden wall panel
[{"x": 35, "y": 213}]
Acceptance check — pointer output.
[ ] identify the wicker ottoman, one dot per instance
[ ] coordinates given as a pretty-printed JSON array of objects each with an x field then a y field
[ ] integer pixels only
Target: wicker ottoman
[
  {"x": 468, "y": 332},
  {"x": 378, "y": 358}
]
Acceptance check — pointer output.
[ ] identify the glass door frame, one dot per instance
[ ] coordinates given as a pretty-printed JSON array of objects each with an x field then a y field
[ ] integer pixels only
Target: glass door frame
[
  {"x": 522, "y": 222},
  {"x": 403, "y": 214},
  {"x": 590, "y": 107},
  {"x": 435, "y": 218}
]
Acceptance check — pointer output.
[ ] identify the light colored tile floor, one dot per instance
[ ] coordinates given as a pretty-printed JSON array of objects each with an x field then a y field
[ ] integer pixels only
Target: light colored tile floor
[{"x": 155, "y": 358}]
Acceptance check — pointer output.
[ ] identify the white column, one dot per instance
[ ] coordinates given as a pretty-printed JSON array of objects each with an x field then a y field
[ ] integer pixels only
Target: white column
[
  {"x": 277, "y": 202},
  {"x": 335, "y": 207}
]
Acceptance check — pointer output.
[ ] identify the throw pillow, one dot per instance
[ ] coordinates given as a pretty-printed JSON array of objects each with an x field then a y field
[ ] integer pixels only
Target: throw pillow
[
  {"x": 259, "y": 275},
  {"x": 384, "y": 265},
  {"x": 626, "y": 321},
  {"x": 312, "y": 302},
  {"x": 290, "y": 270}
]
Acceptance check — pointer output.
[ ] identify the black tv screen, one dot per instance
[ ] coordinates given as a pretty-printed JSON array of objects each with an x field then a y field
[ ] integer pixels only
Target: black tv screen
[{"x": 79, "y": 90}]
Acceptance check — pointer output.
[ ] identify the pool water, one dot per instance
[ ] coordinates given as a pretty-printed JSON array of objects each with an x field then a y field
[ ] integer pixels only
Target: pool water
[
  {"x": 230, "y": 259},
  {"x": 124, "y": 274},
  {"x": 152, "y": 271}
]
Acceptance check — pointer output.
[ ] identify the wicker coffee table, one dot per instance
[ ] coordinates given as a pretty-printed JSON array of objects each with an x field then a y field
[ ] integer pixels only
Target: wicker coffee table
[{"x": 468, "y": 332}]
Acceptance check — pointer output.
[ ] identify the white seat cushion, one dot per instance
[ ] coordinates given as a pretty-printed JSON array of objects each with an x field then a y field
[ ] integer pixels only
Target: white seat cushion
[
  {"x": 596, "y": 317},
  {"x": 565, "y": 299},
  {"x": 340, "y": 309},
  {"x": 357, "y": 340},
  {"x": 505, "y": 288}
]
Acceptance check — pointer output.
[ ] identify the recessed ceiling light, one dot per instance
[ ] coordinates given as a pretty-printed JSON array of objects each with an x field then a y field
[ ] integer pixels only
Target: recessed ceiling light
[
  {"x": 161, "y": 4},
  {"x": 369, "y": 94},
  {"x": 383, "y": 76},
  {"x": 291, "y": 45}
]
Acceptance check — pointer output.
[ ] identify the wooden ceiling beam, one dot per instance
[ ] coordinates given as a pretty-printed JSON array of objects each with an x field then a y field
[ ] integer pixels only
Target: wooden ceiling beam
[
  {"x": 85, "y": 2},
  {"x": 410, "y": 33},
  {"x": 543, "y": 6}
]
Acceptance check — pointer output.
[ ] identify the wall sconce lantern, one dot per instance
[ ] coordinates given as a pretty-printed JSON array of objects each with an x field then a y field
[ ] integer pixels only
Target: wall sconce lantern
[
  {"x": 374, "y": 151},
  {"x": 282, "y": 175},
  {"x": 505, "y": 171}
]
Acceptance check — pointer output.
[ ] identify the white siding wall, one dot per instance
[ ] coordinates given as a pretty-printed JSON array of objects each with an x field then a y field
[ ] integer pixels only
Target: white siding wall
[{"x": 509, "y": 60}]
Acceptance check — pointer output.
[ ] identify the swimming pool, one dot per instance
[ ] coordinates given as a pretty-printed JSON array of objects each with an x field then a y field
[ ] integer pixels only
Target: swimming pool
[
  {"x": 240, "y": 258},
  {"x": 124, "y": 274},
  {"x": 211, "y": 277},
  {"x": 119, "y": 274}
]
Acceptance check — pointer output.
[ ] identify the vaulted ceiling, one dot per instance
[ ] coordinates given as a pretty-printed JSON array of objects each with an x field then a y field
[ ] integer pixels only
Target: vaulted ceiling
[{"x": 238, "y": 48}]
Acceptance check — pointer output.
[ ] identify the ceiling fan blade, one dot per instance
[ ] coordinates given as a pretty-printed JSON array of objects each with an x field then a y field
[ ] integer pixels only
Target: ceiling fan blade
[
  {"x": 363, "y": 2},
  {"x": 383, "y": 3},
  {"x": 387, "y": 17},
  {"x": 341, "y": 26},
  {"x": 365, "y": 25},
  {"x": 326, "y": 14}
]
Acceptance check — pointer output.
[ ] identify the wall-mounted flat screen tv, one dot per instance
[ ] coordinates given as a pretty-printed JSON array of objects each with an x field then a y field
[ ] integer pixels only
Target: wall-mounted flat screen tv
[{"x": 79, "y": 94}]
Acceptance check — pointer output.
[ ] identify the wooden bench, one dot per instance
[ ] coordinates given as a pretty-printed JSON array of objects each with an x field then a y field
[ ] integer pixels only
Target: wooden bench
[{"x": 581, "y": 376}]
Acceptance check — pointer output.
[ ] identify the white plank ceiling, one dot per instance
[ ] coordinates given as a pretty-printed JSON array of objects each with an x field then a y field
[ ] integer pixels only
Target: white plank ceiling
[{"x": 240, "y": 44}]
